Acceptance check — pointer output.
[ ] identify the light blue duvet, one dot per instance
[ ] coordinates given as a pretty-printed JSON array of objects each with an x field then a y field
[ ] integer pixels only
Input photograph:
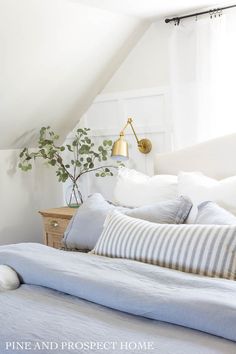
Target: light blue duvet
[{"x": 151, "y": 292}]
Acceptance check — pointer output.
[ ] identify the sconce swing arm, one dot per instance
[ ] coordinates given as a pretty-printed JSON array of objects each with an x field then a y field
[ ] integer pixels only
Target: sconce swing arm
[{"x": 144, "y": 145}]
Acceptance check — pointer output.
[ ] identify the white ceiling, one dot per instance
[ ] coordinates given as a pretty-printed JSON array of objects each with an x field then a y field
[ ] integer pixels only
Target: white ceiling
[{"x": 151, "y": 8}]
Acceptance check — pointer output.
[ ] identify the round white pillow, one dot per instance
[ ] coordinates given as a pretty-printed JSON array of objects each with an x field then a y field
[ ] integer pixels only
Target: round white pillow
[{"x": 8, "y": 278}]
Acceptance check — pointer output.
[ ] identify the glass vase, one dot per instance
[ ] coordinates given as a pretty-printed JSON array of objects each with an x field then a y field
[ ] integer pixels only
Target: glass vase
[{"x": 73, "y": 196}]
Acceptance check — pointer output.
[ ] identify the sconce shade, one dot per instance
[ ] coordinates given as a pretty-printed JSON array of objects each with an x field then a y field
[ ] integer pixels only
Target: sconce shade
[{"x": 120, "y": 149}]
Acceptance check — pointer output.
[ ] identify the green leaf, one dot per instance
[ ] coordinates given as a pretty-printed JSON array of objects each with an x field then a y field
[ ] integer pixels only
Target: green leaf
[
  {"x": 64, "y": 177},
  {"x": 88, "y": 141},
  {"x": 22, "y": 153},
  {"x": 52, "y": 162},
  {"x": 84, "y": 149}
]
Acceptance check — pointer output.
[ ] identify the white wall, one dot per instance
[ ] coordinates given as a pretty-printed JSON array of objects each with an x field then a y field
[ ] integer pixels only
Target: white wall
[
  {"x": 140, "y": 89},
  {"x": 147, "y": 65},
  {"x": 56, "y": 56},
  {"x": 22, "y": 195}
]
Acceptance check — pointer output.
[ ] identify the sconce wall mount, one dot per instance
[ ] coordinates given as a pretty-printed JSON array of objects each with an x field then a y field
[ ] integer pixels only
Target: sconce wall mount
[{"x": 120, "y": 146}]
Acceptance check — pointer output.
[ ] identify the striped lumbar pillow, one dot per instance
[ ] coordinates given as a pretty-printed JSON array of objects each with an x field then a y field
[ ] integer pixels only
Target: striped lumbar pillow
[{"x": 201, "y": 249}]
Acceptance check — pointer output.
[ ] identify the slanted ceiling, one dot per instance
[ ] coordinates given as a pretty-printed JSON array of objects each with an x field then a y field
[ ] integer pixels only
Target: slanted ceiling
[{"x": 56, "y": 56}]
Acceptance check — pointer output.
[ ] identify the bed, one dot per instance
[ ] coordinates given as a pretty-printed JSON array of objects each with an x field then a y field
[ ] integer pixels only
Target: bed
[{"x": 82, "y": 303}]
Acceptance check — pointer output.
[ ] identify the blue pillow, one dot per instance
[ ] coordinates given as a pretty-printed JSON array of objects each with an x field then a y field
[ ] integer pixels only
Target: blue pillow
[
  {"x": 86, "y": 226},
  {"x": 211, "y": 213}
]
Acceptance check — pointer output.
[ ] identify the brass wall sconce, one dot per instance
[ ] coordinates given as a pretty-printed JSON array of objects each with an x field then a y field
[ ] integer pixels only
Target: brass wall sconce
[{"x": 120, "y": 149}]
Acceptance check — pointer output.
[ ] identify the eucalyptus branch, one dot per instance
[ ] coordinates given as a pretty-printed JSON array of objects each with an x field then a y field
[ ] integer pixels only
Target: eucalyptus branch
[
  {"x": 95, "y": 169},
  {"x": 86, "y": 157},
  {"x": 61, "y": 164}
]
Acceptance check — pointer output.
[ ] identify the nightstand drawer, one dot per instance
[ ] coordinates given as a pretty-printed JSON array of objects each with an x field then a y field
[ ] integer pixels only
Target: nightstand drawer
[
  {"x": 54, "y": 240},
  {"x": 55, "y": 225}
]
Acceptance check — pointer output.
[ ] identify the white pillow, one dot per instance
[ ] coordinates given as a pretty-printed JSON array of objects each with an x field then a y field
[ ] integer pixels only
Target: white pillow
[
  {"x": 8, "y": 279},
  {"x": 134, "y": 189},
  {"x": 200, "y": 188}
]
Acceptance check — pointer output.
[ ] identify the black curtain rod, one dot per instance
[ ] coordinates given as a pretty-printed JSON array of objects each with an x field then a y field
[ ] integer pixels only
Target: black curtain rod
[{"x": 213, "y": 11}]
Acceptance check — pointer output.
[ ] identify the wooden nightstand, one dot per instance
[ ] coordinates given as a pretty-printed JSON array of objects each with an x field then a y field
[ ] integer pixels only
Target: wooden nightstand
[{"x": 55, "y": 222}]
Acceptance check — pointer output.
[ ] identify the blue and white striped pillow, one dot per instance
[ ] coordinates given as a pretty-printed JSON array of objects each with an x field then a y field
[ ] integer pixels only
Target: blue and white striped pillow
[{"x": 201, "y": 249}]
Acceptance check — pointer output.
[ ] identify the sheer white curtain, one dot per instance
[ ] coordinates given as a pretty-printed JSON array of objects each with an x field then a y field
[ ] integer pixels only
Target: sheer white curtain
[{"x": 203, "y": 79}]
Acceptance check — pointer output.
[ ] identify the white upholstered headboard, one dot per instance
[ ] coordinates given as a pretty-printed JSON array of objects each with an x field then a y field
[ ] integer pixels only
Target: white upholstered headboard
[{"x": 215, "y": 158}]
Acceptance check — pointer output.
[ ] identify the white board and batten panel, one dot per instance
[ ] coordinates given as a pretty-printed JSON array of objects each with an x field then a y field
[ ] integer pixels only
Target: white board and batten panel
[
  {"x": 148, "y": 108},
  {"x": 107, "y": 116}
]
